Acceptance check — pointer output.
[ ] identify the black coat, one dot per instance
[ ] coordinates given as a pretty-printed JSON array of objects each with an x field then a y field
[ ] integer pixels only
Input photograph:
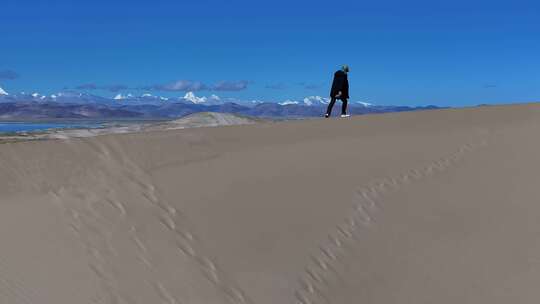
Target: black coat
[{"x": 340, "y": 83}]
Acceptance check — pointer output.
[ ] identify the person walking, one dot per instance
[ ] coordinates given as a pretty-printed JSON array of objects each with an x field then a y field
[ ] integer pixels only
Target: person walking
[{"x": 340, "y": 90}]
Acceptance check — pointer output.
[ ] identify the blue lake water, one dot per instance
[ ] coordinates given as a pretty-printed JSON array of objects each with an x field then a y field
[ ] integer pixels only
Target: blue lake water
[{"x": 13, "y": 127}]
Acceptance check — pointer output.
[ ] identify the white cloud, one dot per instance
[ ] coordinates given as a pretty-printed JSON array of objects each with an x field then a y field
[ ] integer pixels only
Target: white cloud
[
  {"x": 182, "y": 85},
  {"x": 230, "y": 85}
]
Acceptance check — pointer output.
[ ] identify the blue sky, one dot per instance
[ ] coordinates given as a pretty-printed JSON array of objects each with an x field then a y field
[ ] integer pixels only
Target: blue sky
[{"x": 407, "y": 52}]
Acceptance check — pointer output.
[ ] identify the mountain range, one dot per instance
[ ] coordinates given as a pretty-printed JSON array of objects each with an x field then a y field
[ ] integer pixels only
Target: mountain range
[{"x": 77, "y": 105}]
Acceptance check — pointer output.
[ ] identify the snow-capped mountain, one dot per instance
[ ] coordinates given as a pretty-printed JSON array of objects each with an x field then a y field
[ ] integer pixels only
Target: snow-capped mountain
[
  {"x": 288, "y": 102},
  {"x": 316, "y": 101},
  {"x": 121, "y": 97},
  {"x": 37, "y": 97},
  {"x": 361, "y": 103},
  {"x": 319, "y": 101},
  {"x": 212, "y": 100},
  {"x": 144, "y": 99},
  {"x": 74, "y": 104},
  {"x": 21, "y": 97},
  {"x": 190, "y": 96},
  {"x": 74, "y": 97}
]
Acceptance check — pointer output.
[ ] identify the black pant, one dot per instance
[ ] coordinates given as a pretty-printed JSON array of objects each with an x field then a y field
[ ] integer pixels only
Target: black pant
[{"x": 343, "y": 106}]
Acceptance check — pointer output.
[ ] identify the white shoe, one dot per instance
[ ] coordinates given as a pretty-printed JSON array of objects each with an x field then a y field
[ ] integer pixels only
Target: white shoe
[{"x": 345, "y": 115}]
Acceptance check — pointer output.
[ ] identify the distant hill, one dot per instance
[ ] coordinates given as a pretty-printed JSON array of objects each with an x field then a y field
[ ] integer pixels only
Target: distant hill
[
  {"x": 70, "y": 105},
  {"x": 30, "y": 110}
]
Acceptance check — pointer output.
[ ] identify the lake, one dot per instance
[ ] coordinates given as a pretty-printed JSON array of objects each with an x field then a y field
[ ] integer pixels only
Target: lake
[{"x": 13, "y": 127}]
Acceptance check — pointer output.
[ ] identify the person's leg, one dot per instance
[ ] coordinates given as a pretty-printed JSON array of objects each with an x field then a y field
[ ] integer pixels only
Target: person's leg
[
  {"x": 344, "y": 106},
  {"x": 330, "y": 106}
]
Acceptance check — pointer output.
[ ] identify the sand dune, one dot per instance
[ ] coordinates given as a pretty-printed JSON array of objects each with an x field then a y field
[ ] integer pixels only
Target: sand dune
[
  {"x": 420, "y": 207},
  {"x": 204, "y": 119},
  {"x": 197, "y": 120}
]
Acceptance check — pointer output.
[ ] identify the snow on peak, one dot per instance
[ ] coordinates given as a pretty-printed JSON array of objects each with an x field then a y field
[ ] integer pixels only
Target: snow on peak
[
  {"x": 119, "y": 97},
  {"x": 318, "y": 100},
  {"x": 215, "y": 97},
  {"x": 288, "y": 102},
  {"x": 146, "y": 95},
  {"x": 190, "y": 96},
  {"x": 2, "y": 92},
  {"x": 35, "y": 95},
  {"x": 53, "y": 96},
  {"x": 315, "y": 100},
  {"x": 365, "y": 104}
]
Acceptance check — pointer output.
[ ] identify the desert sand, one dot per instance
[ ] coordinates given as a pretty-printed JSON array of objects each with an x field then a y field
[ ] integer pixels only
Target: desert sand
[{"x": 419, "y": 207}]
